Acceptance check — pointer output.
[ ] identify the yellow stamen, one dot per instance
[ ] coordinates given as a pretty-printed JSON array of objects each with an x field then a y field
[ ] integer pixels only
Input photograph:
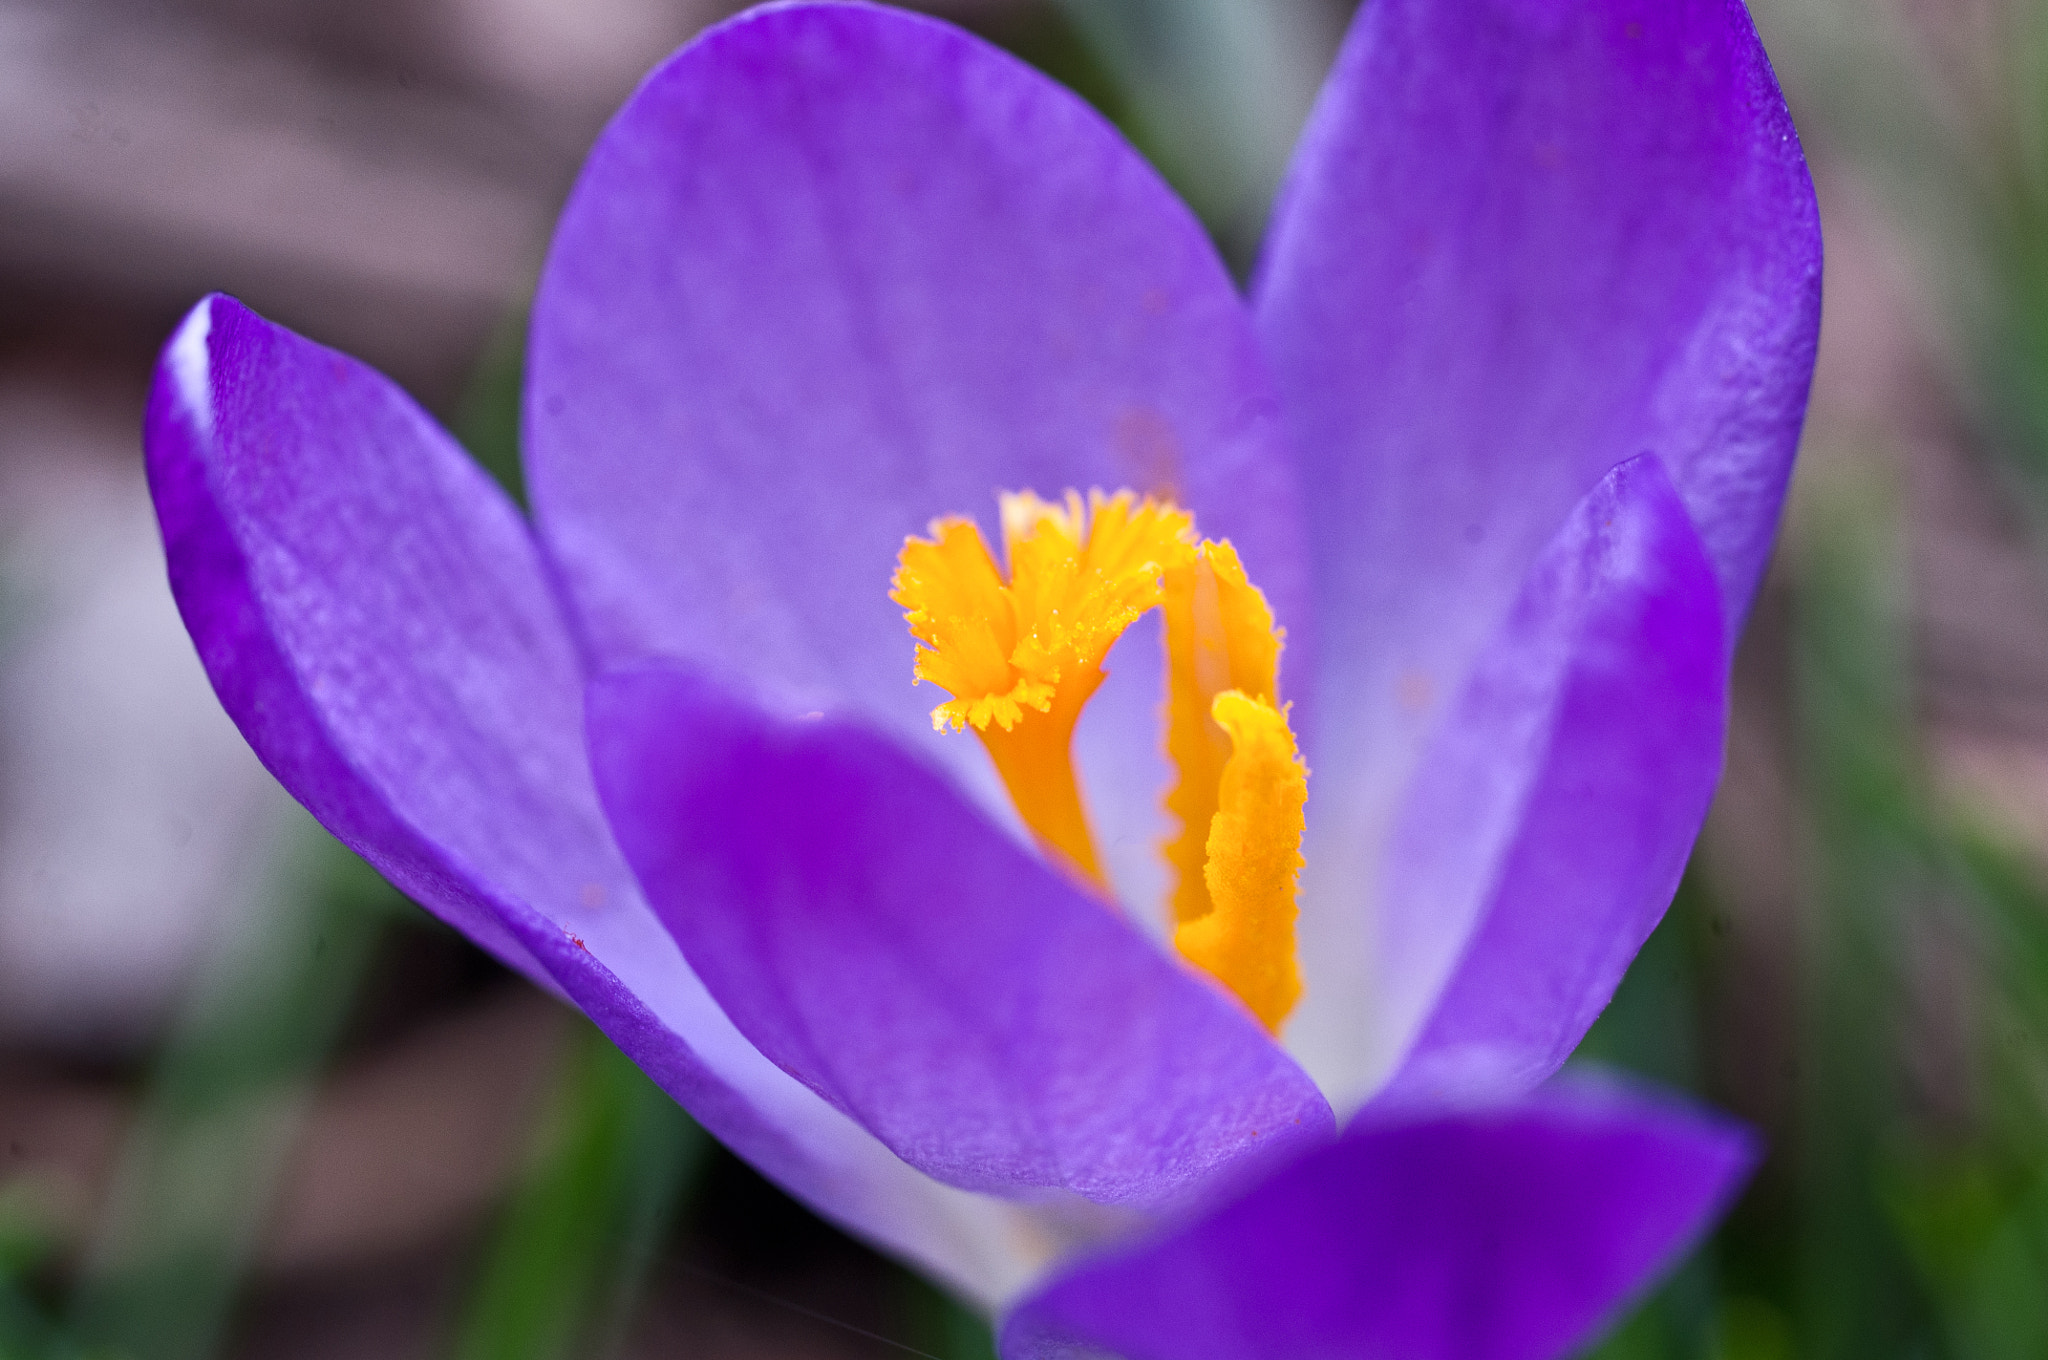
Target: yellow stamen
[
  {"x": 1021, "y": 650},
  {"x": 1246, "y": 942},
  {"x": 1021, "y": 653},
  {"x": 1219, "y": 636}
]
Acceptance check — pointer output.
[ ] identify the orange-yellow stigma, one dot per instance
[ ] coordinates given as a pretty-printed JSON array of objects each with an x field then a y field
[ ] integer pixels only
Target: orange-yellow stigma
[
  {"x": 1021, "y": 650},
  {"x": 1021, "y": 653}
]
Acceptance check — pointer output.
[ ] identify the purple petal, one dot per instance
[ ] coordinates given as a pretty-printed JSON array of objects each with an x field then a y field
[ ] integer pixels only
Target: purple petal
[
  {"x": 1522, "y": 241},
  {"x": 990, "y": 1022},
  {"x": 1511, "y": 1233},
  {"x": 374, "y": 616},
  {"x": 371, "y": 613},
  {"x": 1548, "y": 828},
  {"x": 836, "y": 270}
]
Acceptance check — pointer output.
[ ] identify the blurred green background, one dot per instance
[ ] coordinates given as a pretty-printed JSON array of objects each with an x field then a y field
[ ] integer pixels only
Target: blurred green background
[{"x": 254, "y": 1104}]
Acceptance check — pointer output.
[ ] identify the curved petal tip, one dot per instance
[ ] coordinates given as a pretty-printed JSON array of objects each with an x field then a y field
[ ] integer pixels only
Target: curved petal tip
[{"x": 1506, "y": 1233}]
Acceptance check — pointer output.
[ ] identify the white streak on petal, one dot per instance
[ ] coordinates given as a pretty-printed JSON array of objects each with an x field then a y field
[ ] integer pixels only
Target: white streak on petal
[{"x": 191, "y": 365}]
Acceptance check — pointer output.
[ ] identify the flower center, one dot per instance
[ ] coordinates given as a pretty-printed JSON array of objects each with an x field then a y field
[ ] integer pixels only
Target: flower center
[{"x": 1020, "y": 649}]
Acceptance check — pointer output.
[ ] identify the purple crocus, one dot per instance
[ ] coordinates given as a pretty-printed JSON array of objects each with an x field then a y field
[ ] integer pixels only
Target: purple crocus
[{"x": 1502, "y": 433}]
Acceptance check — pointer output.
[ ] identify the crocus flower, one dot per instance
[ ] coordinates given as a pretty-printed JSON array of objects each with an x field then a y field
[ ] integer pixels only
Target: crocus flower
[{"x": 1500, "y": 440}]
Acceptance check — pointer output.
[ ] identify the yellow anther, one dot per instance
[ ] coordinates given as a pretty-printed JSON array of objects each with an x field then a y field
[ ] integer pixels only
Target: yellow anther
[
  {"x": 1219, "y": 636},
  {"x": 1246, "y": 941},
  {"x": 1021, "y": 652}
]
